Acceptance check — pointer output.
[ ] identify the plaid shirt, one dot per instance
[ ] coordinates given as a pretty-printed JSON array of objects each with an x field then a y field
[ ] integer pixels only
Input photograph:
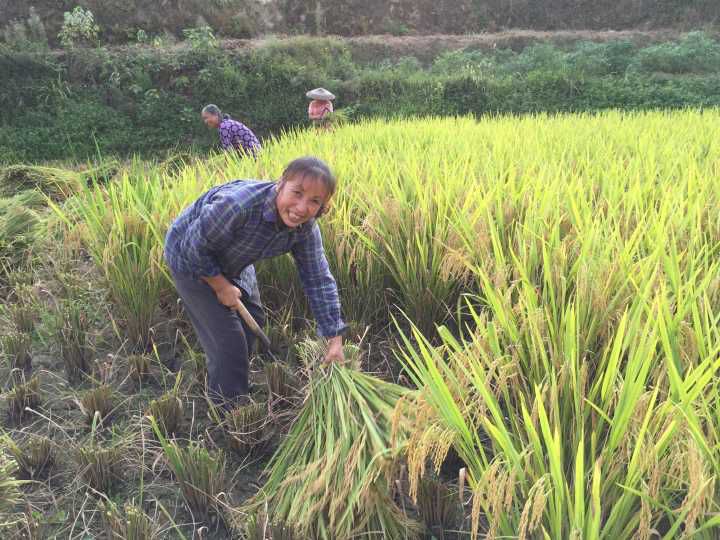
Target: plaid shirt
[{"x": 236, "y": 224}]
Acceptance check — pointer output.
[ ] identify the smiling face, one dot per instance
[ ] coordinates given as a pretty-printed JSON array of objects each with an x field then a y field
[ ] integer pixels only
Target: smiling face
[
  {"x": 299, "y": 199},
  {"x": 211, "y": 120}
]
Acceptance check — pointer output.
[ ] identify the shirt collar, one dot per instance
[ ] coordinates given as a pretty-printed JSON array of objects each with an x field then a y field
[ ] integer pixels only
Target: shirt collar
[{"x": 269, "y": 208}]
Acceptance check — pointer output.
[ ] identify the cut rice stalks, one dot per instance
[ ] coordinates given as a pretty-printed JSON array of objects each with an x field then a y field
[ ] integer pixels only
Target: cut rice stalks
[{"x": 332, "y": 476}]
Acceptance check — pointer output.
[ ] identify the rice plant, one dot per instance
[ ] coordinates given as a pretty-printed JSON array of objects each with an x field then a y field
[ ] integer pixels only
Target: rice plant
[
  {"x": 34, "y": 456},
  {"x": 139, "y": 368},
  {"x": 576, "y": 273},
  {"x": 100, "y": 465},
  {"x": 260, "y": 527},
  {"x": 97, "y": 405},
  {"x": 439, "y": 508},
  {"x": 23, "y": 316},
  {"x": 74, "y": 344},
  {"x": 23, "y": 396},
  {"x": 283, "y": 385},
  {"x": 200, "y": 473},
  {"x": 118, "y": 230},
  {"x": 128, "y": 523},
  {"x": 167, "y": 411},
  {"x": 248, "y": 428},
  {"x": 9, "y": 489},
  {"x": 17, "y": 349}
]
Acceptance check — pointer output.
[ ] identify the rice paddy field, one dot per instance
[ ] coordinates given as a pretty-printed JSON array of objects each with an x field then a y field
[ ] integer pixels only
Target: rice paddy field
[{"x": 534, "y": 306}]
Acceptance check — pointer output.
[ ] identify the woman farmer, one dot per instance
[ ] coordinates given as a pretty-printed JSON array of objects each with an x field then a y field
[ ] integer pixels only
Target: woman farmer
[
  {"x": 320, "y": 106},
  {"x": 233, "y": 134},
  {"x": 211, "y": 248}
]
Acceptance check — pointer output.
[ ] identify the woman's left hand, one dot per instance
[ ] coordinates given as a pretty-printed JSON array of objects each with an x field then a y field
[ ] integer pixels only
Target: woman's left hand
[{"x": 334, "y": 351}]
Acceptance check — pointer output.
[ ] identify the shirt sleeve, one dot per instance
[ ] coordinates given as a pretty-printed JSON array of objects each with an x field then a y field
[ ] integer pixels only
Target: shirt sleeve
[
  {"x": 319, "y": 284},
  {"x": 210, "y": 232}
]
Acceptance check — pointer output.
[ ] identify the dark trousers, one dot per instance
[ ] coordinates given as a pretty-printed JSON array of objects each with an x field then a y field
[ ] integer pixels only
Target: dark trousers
[{"x": 223, "y": 335}]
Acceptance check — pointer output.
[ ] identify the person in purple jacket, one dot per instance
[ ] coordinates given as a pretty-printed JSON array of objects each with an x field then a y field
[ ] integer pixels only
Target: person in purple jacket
[{"x": 234, "y": 135}]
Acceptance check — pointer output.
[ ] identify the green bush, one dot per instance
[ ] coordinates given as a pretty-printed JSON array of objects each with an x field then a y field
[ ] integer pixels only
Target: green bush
[
  {"x": 147, "y": 101},
  {"x": 695, "y": 53}
]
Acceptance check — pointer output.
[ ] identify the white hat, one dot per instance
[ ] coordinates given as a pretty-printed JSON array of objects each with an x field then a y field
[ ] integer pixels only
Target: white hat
[{"x": 320, "y": 93}]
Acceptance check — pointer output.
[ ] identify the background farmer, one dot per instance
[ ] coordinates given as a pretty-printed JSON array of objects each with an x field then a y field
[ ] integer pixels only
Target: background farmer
[
  {"x": 211, "y": 248},
  {"x": 233, "y": 134},
  {"x": 320, "y": 106}
]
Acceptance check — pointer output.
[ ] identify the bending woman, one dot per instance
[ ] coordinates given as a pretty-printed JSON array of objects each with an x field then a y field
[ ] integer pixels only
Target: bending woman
[
  {"x": 212, "y": 245},
  {"x": 233, "y": 134}
]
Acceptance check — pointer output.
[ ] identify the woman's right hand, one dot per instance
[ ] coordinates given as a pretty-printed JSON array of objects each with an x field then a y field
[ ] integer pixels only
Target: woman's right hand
[{"x": 229, "y": 295}]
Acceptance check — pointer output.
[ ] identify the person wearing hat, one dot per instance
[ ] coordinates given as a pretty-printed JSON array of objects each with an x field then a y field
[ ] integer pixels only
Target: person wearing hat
[
  {"x": 320, "y": 106},
  {"x": 234, "y": 135}
]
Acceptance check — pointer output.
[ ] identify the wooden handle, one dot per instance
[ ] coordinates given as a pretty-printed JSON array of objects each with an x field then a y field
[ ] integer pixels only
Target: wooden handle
[{"x": 250, "y": 321}]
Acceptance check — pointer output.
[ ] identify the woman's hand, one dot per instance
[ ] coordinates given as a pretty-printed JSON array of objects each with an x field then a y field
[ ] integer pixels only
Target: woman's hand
[
  {"x": 334, "y": 351},
  {"x": 227, "y": 293},
  {"x": 229, "y": 296}
]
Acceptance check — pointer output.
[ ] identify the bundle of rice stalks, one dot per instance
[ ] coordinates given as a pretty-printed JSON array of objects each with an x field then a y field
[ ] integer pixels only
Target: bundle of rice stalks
[
  {"x": 331, "y": 477},
  {"x": 56, "y": 183},
  {"x": 248, "y": 428},
  {"x": 34, "y": 456},
  {"x": 17, "y": 231}
]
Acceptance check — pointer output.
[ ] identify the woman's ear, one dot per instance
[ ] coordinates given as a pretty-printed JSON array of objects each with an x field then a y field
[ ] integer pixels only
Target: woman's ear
[{"x": 324, "y": 209}]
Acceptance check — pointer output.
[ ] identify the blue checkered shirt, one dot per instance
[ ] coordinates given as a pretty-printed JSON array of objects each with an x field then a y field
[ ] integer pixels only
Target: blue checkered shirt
[{"x": 236, "y": 224}]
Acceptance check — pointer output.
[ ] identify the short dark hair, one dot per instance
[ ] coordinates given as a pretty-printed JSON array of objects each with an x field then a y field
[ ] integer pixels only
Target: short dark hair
[{"x": 311, "y": 167}]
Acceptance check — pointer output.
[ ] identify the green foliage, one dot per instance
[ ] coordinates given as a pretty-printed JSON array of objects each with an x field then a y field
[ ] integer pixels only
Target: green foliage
[
  {"x": 78, "y": 28},
  {"x": 28, "y": 34},
  {"x": 201, "y": 38},
  {"x": 695, "y": 53},
  {"x": 146, "y": 101}
]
